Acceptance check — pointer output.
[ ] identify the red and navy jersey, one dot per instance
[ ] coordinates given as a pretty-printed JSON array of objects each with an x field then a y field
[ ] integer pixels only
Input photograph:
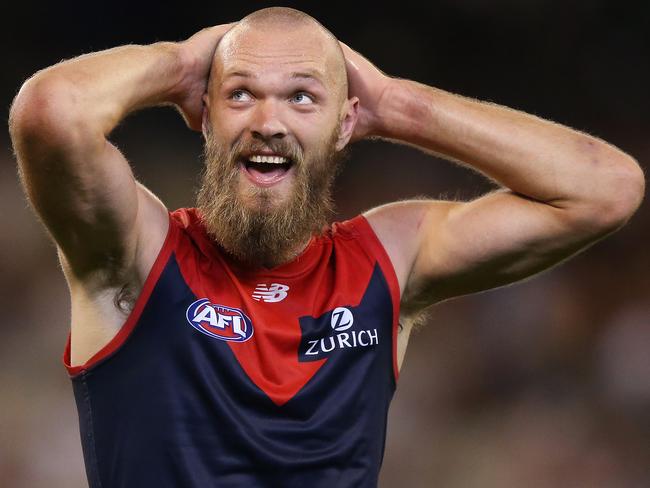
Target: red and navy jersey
[{"x": 227, "y": 377}]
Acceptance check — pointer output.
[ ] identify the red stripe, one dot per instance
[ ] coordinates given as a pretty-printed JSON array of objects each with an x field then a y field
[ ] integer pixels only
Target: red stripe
[
  {"x": 131, "y": 321},
  {"x": 378, "y": 250}
]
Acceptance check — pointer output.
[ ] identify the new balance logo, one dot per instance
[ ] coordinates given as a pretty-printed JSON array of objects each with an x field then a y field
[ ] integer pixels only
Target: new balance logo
[{"x": 274, "y": 293}]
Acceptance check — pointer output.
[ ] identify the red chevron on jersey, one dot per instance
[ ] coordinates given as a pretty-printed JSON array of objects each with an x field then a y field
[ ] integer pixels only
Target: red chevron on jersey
[{"x": 270, "y": 356}]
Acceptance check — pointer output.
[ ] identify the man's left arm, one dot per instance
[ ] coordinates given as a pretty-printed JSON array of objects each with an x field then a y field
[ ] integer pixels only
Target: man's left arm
[{"x": 562, "y": 189}]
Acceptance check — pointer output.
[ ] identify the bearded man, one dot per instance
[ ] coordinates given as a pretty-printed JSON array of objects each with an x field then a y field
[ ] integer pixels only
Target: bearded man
[{"x": 247, "y": 342}]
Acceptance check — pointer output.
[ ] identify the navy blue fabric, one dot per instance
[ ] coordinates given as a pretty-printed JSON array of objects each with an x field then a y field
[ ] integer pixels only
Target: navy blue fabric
[{"x": 174, "y": 408}]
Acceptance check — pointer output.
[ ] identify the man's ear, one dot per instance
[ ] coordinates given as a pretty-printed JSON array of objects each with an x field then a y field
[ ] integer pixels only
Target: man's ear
[
  {"x": 349, "y": 119},
  {"x": 205, "y": 116}
]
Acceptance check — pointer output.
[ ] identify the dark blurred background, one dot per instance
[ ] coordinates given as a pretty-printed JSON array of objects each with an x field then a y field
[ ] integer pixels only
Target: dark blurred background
[{"x": 541, "y": 384}]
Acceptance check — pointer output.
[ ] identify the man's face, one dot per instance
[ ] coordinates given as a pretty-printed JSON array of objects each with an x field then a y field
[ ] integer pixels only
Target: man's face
[{"x": 276, "y": 122}]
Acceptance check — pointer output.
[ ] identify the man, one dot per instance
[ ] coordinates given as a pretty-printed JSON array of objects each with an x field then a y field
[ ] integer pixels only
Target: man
[{"x": 244, "y": 343}]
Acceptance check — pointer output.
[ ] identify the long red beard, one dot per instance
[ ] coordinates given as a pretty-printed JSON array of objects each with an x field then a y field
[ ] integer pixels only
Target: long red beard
[{"x": 267, "y": 233}]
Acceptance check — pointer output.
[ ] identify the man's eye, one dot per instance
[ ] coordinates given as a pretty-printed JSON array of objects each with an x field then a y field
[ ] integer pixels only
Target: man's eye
[
  {"x": 302, "y": 98},
  {"x": 241, "y": 96}
]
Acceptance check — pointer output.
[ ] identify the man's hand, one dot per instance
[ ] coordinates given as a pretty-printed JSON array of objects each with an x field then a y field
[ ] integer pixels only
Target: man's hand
[
  {"x": 369, "y": 84},
  {"x": 78, "y": 181},
  {"x": 197, "y": 53}
]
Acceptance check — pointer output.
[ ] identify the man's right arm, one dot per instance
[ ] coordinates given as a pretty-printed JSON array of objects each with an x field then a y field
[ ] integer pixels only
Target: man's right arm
[
  {"x": 108, "y": 228},
  {"x": 79, "y": 183}
]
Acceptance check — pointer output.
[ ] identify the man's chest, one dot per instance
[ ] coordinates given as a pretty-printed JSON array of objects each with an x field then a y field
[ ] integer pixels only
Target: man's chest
[{"x": 282, "y": 332}]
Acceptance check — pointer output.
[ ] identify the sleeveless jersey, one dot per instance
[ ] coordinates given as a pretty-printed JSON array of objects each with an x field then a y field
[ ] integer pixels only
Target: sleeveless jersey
[{"x": 226, "y": 377}]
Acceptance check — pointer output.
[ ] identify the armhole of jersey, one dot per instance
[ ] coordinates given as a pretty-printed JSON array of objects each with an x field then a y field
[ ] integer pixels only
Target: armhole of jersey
[
  {"x": 122, "y": 335},
  {"x": 377, "y": 250}
]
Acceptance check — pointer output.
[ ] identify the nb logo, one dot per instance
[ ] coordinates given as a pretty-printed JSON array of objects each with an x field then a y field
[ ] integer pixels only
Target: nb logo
[
  {"x": 274, "y": 293},
  {"x": 342, "y": 319}
]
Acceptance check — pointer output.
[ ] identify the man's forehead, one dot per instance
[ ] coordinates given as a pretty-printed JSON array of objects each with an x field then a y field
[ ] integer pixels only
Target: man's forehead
[
  {"x": 305, "y": 37},
  {"x": 234, "y": 69},
  {"x": 301, "y": 52}
]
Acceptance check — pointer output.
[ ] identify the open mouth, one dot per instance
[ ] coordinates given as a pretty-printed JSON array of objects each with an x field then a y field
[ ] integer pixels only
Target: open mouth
[{"x": 265, "y": 170}]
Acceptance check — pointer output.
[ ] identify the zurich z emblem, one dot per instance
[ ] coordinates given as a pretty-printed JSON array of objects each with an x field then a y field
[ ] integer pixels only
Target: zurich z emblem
[{"x": 219, "y": 321}]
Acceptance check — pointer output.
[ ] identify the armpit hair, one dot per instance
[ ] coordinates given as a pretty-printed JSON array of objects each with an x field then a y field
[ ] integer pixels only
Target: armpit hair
[{"x": 415, "y": 320}]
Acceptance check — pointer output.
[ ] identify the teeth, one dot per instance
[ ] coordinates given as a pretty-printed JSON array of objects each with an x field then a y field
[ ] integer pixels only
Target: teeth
[{"x": 268, "y": 159}]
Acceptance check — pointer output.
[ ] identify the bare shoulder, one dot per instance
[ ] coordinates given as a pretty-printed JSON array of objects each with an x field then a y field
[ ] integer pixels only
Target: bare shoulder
[
  {"x": 102, "y": 301},
  {"x": 399, "y": 227}
]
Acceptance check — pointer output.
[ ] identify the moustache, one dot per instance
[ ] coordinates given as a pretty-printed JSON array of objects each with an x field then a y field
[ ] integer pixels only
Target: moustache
[{"x": 243, "y": 149}]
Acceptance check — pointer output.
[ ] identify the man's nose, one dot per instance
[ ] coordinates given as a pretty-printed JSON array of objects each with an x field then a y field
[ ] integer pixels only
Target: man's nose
[{"x": 267, "y": 121}]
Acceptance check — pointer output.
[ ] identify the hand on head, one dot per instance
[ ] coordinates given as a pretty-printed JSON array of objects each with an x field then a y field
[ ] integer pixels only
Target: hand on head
[
  {"x": 365, "y": 81},
  {"x": 369, "y": 84},
  {"x": 196, "y": 54}
]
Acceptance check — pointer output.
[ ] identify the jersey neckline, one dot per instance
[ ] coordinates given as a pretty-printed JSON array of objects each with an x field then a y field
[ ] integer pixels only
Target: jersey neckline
[{"x": 305, "y": 261}]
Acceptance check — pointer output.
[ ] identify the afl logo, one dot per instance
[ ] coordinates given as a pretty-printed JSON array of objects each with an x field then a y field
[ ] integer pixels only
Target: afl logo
[{"x": 219, "y": 321}]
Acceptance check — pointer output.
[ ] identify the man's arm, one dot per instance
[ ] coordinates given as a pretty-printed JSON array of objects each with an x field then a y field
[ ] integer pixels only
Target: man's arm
[
  {"x": 563, "y": 189},
  {"x": 108, "y": 228},
  {"x": 79, "y": 183}
]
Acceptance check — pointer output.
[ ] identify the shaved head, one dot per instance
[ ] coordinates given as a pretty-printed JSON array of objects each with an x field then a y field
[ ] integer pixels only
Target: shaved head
[{"x": 300, "y": 29}]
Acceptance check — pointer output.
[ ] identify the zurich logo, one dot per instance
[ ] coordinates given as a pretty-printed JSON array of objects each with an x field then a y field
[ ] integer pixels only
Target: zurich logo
[
  {"x": 342, "y": 319},
  {"x": 219, "y": 321}
]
